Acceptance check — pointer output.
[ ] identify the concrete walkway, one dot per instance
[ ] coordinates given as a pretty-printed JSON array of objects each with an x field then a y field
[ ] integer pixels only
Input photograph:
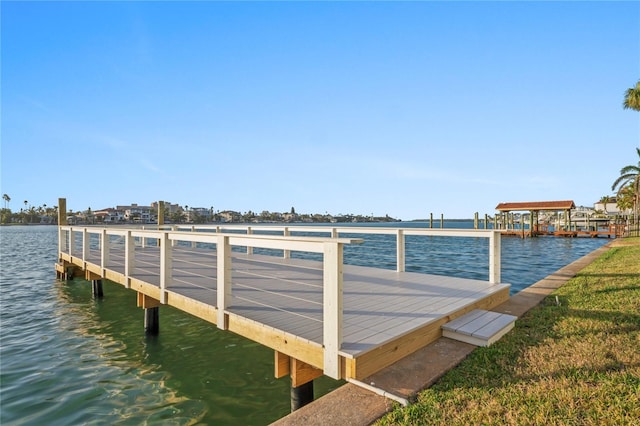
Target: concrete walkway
[{"x": 353, "y": 405}]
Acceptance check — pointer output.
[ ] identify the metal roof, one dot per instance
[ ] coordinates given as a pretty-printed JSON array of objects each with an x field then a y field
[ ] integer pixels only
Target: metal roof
[{"x": 536, "y": 205}]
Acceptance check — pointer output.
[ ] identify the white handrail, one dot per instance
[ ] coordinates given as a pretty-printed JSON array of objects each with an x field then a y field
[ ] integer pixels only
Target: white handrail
[{"x": 330, "y": 247}]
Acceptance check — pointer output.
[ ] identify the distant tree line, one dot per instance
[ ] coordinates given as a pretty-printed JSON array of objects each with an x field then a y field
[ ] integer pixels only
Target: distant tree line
[{"x": 28, "y": 214}]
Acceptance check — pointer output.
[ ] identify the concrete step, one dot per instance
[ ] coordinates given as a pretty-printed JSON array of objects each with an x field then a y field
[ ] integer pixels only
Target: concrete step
[{"x": 479, "y": 327}]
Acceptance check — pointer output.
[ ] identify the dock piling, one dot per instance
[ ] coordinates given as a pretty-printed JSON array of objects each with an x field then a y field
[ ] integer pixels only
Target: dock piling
[
  {"x": 96, "y": 289},
  {"x": 152, "y": 321},
  {"x": 301, "y": 395}
]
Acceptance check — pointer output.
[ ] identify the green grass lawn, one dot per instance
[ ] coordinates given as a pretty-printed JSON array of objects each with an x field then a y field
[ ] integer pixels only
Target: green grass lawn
[{"x": 572, "y": 360}]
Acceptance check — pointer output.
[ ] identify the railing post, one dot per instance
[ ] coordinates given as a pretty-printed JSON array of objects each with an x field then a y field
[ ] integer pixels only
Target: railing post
[
  {"x": 61, "y": 246},
  {"x": 223, "y": 299},
  {"x": 332, "y": 307},
  {"x": 85, "y": 245},
  {"x": 143, "y": 240},
  {"x": 104, "y": 254},
  {"x": 249, "y": 232},
  {"x": 400, "y": 250},
  {"x": 287, "y": 253},
  {"x": 72, "y": 242},
  {"x": 165, "y": 266},
  {"x": 129, "y": 257},
  {"x": 494, "y": 257},
  {"x": 193, "y": 243},
  {"x": 173, "y": 242}
]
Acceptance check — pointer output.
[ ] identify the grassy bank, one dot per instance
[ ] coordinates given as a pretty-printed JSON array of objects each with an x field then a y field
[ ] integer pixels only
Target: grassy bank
[{"x": 573, "y": 360}]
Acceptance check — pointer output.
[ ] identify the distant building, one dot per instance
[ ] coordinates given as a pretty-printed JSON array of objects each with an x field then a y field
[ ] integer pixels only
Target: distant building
[
  {"x": 610, "y": 207},
  {"x": 230, "y": 216},
  {"x": 136, "y": 213},
  {"x": 171, "y": 208},
  {"x": 109, "y": 215},
  {"x": 198, "y": 214}
]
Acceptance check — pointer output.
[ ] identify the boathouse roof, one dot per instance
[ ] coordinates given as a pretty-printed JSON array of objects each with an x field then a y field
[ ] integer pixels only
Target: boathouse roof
[{"x": 536, "y": 205}]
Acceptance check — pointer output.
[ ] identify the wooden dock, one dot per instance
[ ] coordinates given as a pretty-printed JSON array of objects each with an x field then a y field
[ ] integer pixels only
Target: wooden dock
[
  {"x": 319, "y": 316},
  {"x": 610, "y": 232}
]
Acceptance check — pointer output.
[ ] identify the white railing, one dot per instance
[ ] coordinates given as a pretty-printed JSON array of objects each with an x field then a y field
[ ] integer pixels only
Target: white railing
[
  {"x": 330, "y": 248},
  {"x": 493, "y": 236},
  {"x": 83, "y": 242}
]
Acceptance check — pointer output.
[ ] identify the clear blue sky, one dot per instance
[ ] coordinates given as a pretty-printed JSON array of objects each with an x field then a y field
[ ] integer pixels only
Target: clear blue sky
[{"x": 340, "y": 107}]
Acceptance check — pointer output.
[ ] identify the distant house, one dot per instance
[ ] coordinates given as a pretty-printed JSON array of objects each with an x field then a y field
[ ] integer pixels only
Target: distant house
[
  {"x": 136, "y": 213},
  {"x": 108, "y": 215},
  {"x": 290, "y": 217},
  {"x": 195, "y": 214},
  {"x": 610, "y": 207},
  {"x": 230, "y": 216}
]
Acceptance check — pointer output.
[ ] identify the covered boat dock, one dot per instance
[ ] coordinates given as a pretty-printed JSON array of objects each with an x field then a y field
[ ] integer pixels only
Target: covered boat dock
[{"x": 563, "y": 226}]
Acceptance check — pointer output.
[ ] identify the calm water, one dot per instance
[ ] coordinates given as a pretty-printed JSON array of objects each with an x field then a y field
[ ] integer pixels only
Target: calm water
[{"x": 66, "y": 358}]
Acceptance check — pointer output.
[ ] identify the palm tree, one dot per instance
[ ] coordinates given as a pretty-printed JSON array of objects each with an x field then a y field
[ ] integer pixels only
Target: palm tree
[
  {"x": 6, "y": 199},
  {"x": 630, "y": 178},
  {"x": 605, "y": 200},
  {"x": 632, "y": 98}
]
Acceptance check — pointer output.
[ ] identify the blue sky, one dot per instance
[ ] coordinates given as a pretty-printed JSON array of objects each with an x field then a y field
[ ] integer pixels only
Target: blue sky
[{"x": 398, "y": 108}]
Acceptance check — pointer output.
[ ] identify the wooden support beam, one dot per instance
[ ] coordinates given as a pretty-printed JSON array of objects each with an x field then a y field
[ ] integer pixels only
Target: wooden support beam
[
  {"x": 62, "y": 212},
  {"x": 160, "y": 213},
  {"x": 284, "y": 342},
  {"x": 147, "y": 302},
  {"x": 90, "y": 276},
  {"x": 302, "y": 373},
  {"x": 282, "y": 364}
]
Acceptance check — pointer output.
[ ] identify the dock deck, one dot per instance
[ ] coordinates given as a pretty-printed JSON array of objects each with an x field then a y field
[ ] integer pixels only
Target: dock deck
[{"x": 373, "y": 318}]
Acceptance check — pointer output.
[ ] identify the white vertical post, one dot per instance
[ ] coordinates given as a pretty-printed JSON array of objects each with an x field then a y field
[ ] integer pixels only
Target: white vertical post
[
  {"x": 287, "y": 253},
  {"x": 249, "y": 232},
  {"x": 104, "y": 254},
  {"x": 174, "y": 242},
  {"x": 193, "y": 243},
  {"x": 61, "y": 235},
  {"x": 494, "y": 257},
  {"x": 85, "y": 245},
  {"x": 400, "y": 249},
  {"x": 223, "y": 299},
  {"x": 129, "y": 257},
  {"x": 332, "y": 308},
  {"x": 72, "y": 242},
  {"x": 334, "y": 233},
  {"x": 143, "y": 240},
  {"x": 165, "y": 266}
]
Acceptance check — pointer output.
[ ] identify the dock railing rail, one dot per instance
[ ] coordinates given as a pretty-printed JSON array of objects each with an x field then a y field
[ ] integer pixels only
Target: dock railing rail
[
  {"x": 494, "y": 237},
  {"x": 92, "y": 248}
]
